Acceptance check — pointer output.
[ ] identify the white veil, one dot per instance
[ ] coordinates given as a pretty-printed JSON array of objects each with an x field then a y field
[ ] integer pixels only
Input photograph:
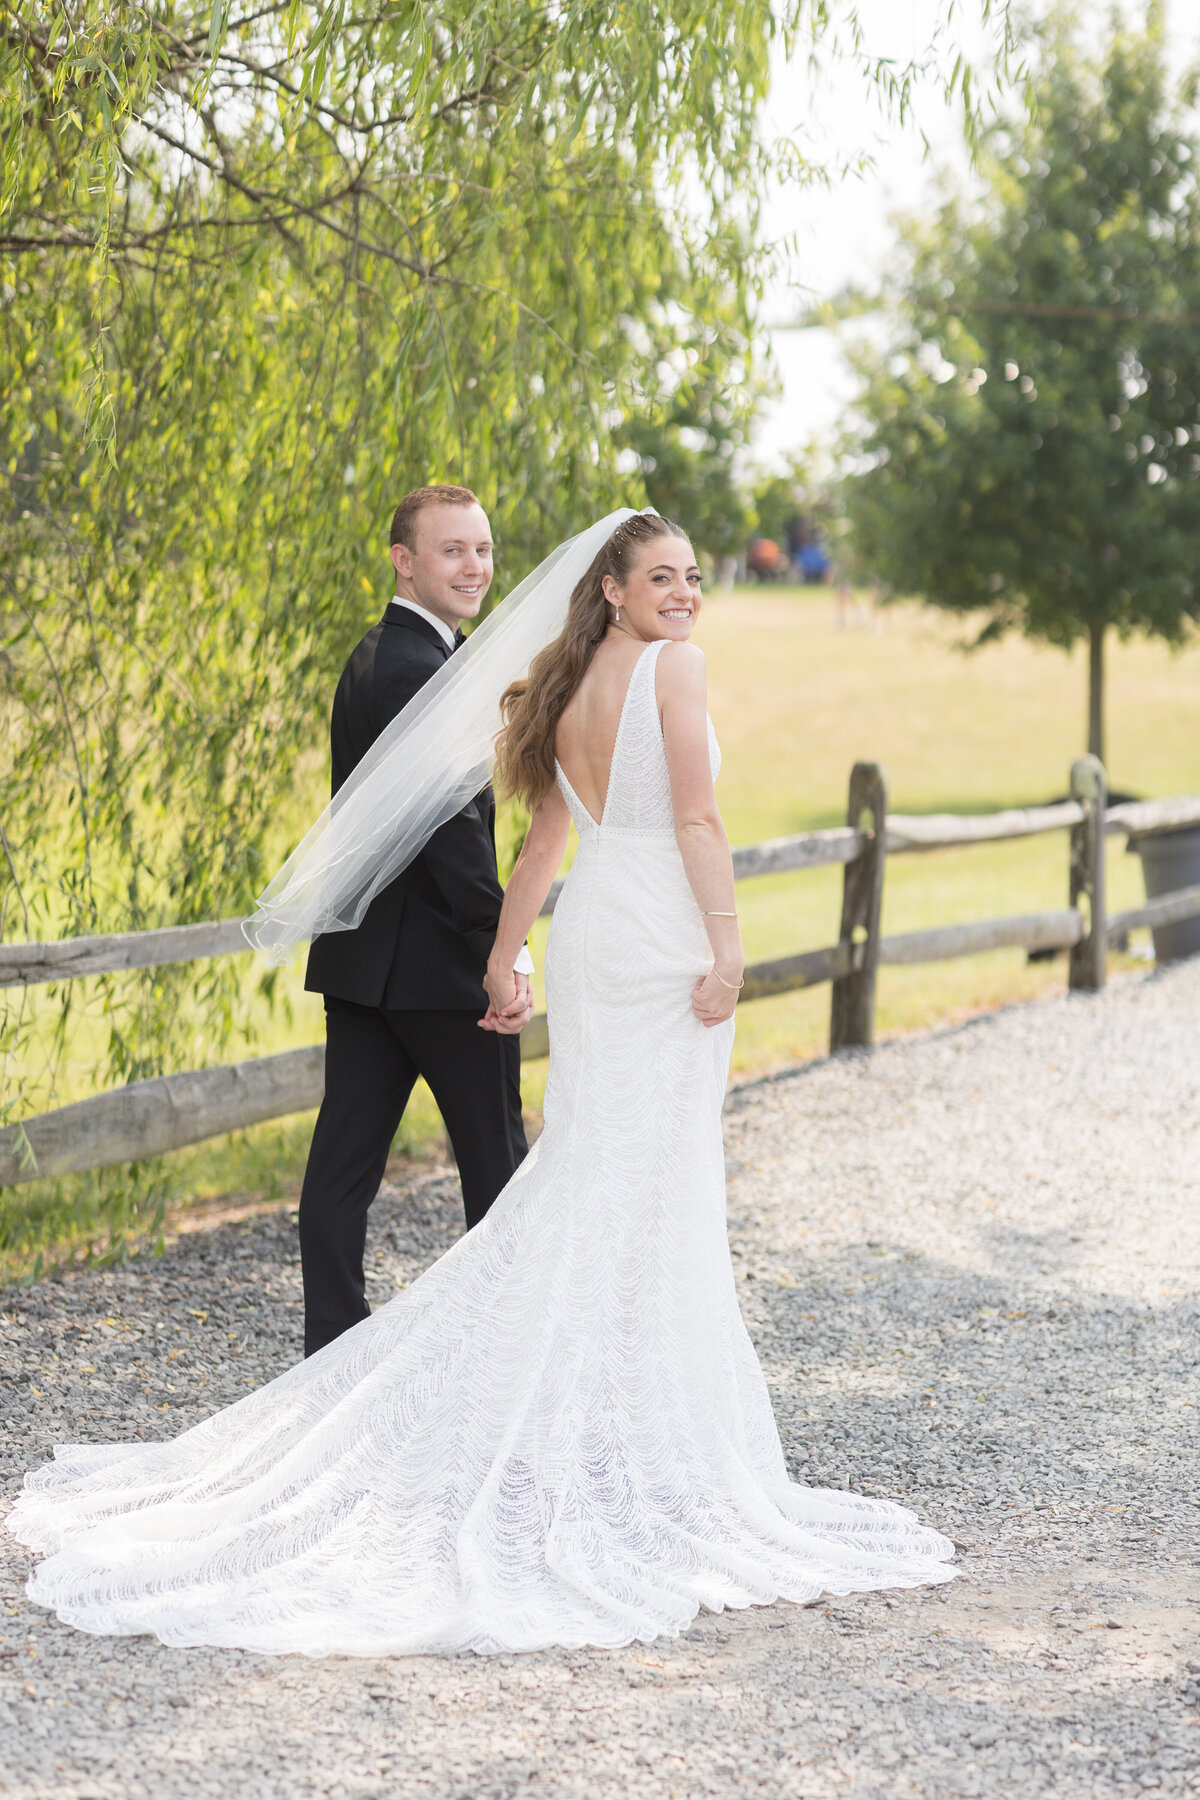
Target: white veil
[{"x": 422, "y": 768}]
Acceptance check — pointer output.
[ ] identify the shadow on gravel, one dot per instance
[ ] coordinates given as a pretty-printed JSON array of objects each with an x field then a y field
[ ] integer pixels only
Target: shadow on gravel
[
  {"x": 911, "y": 1376},
  {"x": 1025, "y": 1253}
]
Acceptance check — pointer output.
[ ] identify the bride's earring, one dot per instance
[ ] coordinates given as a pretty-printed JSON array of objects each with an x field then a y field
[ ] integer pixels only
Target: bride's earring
[{"x": 616, "y": 614}]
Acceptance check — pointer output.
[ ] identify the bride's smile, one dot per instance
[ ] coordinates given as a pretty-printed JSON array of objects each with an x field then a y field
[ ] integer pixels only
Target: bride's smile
[{"x": 660, "y": 596}]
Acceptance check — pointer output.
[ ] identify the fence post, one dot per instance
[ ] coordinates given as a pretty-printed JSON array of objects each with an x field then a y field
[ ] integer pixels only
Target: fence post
[
  {"x": 1089, "y": 957},
  {"x": 852, "y": 1012}
]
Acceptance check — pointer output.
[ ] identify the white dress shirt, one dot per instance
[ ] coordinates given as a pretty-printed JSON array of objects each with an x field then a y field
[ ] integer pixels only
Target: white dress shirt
[
  {"x": 439, "y": 625},
  {"x": 524, "y": 962}
]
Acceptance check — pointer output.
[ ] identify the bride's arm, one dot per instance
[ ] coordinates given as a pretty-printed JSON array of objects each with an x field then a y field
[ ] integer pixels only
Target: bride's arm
[
  {"x": 699, "y": 829},
  {"x": 536, "y": 867}
]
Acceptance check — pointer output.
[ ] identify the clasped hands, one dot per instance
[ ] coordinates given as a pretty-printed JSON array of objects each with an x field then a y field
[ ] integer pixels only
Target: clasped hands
[{"x": 510, "y": 1002}]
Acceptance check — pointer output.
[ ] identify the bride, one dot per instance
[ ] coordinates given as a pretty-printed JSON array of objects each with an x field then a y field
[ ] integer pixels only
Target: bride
[{"x": 560, "y": 1433}]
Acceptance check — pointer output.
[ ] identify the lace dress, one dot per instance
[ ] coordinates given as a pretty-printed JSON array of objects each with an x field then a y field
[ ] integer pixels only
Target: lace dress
[{"x": 560, "y": 1433}]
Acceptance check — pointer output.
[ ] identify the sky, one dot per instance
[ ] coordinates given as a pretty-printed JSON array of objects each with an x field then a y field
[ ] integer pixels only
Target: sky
[{"x": 842, "y": 235}]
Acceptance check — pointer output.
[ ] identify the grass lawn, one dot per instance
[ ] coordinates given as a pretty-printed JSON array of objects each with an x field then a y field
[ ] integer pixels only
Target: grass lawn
[{"x": 795, "y": 703}]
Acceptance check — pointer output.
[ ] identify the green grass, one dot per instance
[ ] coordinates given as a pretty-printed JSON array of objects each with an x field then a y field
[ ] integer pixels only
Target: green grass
[{"x": 797, "y": 702}]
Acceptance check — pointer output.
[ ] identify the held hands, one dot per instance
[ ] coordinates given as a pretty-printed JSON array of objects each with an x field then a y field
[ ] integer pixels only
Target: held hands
[
  {"x": 714, "y": 998},
  {"x": 510, "y": 1002}
]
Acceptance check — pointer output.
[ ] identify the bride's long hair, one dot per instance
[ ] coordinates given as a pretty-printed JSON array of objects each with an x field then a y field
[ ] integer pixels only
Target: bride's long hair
[{"x": 532, "y": 708}]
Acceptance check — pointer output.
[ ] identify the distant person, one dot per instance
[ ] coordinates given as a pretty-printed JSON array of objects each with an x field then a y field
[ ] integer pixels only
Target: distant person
[
  {"x": 798, "y": 535},
  {"x": 861, "y": 608},
  {"x": 764, "y": 559},
  {"x": 814, "y": 563},
  {"x": 843, "y": 600}
]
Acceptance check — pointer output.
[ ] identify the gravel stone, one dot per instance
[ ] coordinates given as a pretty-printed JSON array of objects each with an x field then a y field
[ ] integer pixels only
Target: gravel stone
[{"x": 971, "y": 1264}]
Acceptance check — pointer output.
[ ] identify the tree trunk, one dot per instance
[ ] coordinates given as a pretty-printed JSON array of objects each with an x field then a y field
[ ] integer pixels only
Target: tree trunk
[{"x": 1096, "y": 690}]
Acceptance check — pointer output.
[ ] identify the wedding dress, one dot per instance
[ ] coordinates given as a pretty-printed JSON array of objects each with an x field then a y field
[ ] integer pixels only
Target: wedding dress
[{"x": 560, "y": 1433}]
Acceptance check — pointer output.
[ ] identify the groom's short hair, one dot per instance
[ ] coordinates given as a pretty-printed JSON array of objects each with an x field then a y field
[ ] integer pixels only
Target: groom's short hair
[{"x": 404, "y": 519}]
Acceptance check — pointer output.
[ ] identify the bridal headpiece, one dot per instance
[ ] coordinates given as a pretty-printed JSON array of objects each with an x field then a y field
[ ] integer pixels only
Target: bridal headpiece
[{"x": 424, "y": 767}]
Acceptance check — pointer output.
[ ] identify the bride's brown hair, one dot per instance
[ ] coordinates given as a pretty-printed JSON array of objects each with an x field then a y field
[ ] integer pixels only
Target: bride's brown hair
[{"x": 532, "y": 708}]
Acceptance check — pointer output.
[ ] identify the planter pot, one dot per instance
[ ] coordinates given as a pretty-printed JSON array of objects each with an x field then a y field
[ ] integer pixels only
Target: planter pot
[{"x": 1170, "y": 860}]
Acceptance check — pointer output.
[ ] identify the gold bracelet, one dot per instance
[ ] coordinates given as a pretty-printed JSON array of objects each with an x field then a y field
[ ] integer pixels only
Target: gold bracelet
[
  {"x": 735, "y": 985},
  {"x": 718, "y": 915}
]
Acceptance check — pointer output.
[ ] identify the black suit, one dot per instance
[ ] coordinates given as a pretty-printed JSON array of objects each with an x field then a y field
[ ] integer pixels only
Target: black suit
[{"x": 403, "y": 994}]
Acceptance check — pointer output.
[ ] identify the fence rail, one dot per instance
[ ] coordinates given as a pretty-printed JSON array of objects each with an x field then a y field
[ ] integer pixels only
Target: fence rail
[
  {"x": 150, "y": 1118},
  {"x": 24, "y": 965}
]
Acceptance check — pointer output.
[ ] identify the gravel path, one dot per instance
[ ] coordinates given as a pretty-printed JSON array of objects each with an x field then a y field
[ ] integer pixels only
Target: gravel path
[{"x": 971, "y": 1263}]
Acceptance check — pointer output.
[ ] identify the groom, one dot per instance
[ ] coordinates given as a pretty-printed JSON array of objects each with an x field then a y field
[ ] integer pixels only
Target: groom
[{"x": 404, "y": 990}]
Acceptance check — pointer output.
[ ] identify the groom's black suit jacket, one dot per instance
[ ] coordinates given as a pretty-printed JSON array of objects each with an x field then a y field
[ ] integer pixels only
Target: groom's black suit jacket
[{"x": 425, "y": 939}]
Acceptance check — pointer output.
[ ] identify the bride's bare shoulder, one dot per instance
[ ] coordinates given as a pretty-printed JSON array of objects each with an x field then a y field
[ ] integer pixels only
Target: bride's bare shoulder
[{"x": 680, "y": 670}]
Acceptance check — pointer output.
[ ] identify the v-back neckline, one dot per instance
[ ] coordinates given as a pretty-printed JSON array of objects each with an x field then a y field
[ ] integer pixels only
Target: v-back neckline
[{"x": 598, "y": 823}]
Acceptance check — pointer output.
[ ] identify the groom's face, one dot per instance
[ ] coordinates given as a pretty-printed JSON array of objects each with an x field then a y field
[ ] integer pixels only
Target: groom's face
[{"x": 448, "y": 567}]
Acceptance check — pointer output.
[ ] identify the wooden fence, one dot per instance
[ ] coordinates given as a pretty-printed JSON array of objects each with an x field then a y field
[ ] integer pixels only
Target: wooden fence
[{"x": 149, "y": 1118}]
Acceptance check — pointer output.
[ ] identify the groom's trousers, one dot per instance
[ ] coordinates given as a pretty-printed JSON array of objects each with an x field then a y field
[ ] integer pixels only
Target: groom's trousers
[{"x": 373, "y": 1056}]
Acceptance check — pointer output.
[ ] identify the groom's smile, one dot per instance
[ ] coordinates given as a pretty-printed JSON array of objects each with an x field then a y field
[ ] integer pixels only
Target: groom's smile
[{"x": 447, "y": 568}]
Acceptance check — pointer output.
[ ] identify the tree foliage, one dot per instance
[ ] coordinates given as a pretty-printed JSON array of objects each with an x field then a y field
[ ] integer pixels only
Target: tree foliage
[
  {"x": 264, "y": 269},
  {"x": 685, "y": 454},
  {"x": 265, "y": 265},
  {"x": 1032, "y": 449}
]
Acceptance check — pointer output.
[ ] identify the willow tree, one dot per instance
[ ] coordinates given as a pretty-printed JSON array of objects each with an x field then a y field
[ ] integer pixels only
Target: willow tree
[
  {"x": 265, "y": 266},
  {"x": 1030, "y": 455},
  {"x": 262, "y": 273}
]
